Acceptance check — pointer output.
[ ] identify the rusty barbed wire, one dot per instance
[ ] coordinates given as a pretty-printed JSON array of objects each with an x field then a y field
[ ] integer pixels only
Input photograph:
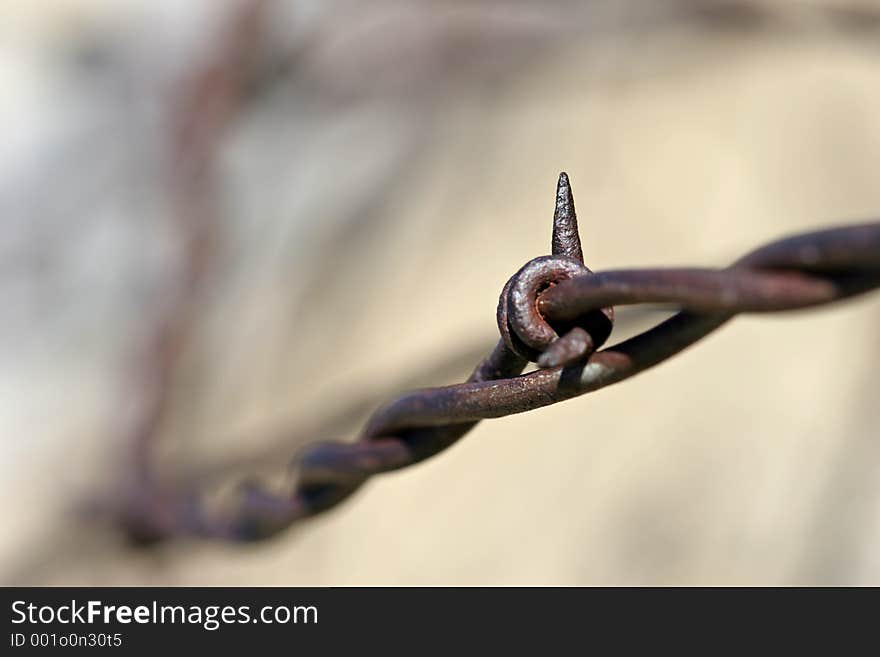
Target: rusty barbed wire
[{"x": 557, "y": 313}]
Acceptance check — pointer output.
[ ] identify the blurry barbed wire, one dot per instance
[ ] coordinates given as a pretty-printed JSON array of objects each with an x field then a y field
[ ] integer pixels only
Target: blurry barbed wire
[
  {"x": 554, "y": 312},
  {"x": 69, "y": 276}
]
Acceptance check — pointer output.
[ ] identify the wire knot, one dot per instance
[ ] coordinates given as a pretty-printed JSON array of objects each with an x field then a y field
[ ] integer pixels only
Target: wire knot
[{"x": 535, "y": 338}]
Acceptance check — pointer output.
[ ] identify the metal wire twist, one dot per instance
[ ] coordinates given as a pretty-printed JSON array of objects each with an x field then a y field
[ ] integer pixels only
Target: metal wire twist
[{"x": 555, "y": 312}]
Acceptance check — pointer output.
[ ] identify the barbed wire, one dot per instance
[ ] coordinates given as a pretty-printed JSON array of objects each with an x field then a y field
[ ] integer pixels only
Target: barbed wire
[{"x": 557, "y": 313}]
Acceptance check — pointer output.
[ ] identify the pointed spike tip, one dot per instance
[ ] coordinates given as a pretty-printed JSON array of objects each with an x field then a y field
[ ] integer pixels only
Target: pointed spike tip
[
  {"x": 564, "y": 199},
  {"x": 565, "y": 229}
]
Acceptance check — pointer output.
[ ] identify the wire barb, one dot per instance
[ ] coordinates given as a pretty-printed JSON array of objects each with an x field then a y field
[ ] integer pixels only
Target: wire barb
[{"x": 566, "y": 240}]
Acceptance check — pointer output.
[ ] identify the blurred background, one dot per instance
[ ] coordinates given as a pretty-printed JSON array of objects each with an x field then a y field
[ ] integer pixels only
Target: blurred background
[{"x": 231, "y": 228}]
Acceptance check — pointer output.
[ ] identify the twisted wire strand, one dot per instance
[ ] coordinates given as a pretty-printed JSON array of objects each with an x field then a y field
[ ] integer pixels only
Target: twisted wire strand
[{"x": 555, "y": 312}]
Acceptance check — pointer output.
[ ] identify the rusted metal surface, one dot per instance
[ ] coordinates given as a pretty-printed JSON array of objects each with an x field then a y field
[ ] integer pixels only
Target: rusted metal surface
[{"x": 557, "y": 313}]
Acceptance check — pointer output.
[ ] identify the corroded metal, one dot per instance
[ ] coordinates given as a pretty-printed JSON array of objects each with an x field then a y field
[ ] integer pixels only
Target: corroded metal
[{"x": 549, "y": 297}]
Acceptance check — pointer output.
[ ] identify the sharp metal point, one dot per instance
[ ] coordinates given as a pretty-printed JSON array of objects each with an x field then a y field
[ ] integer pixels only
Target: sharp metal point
[{"x": 566, "y": 240}]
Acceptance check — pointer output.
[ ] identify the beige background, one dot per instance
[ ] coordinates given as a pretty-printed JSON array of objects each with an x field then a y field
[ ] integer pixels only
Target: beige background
[{"x": 692, "y": 132}]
